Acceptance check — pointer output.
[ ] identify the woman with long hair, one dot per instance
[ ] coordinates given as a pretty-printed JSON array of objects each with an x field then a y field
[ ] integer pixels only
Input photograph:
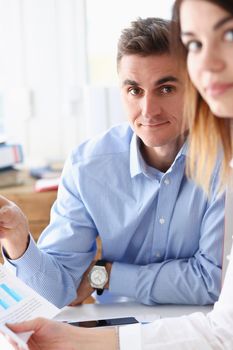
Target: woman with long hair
[{"x": 205, "y": 28}]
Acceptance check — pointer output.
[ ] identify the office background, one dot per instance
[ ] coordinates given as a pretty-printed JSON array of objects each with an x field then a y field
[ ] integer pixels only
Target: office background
[{"x": 58, "y": 83}]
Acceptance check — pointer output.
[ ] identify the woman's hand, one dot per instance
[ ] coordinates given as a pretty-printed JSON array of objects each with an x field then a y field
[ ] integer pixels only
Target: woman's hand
[{"x": 52, "y": 335}]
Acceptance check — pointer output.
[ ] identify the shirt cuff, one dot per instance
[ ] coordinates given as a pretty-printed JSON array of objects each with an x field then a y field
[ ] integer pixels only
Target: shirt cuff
[
  {"x": 28, "y": 264},
  {"x": 123, "y": 279},
  {"x": 130, "y": 337}
]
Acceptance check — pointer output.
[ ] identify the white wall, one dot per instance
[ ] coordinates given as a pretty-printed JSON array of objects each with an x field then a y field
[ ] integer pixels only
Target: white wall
[
  {"x": 48, "y": 104},
  {"x": 42, "y": 63}
]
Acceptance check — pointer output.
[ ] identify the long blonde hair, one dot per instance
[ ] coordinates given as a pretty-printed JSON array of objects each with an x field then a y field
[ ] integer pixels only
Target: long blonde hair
[{"x": 209, "y": 135}]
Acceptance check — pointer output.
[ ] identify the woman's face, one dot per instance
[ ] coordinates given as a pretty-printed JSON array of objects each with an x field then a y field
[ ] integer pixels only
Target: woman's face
[{"x": 207, "y": 33}]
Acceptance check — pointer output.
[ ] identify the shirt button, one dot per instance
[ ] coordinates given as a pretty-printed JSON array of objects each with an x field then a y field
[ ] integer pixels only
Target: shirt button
[
  {"x": 162, "y": 221},
  {"x": 157, "y": 254},
  {"x": 167, "y": 181}
]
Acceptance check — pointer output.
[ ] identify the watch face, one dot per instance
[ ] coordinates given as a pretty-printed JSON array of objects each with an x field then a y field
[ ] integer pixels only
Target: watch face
[{"x": 98, "y": 276}]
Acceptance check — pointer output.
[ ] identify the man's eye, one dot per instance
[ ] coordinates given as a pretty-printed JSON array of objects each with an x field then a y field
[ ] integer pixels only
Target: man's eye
[
  {"x": 165, "y": 90},
  {"x": 228, "y": 35},
  {"x": 134, "y": 91}
]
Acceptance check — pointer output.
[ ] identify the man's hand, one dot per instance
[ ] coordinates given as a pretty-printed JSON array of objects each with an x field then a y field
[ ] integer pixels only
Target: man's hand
[
  {"x": 14, "y": 229},
  {"x": 85, "y": 290},
  {"x": 51, "y": 335}
]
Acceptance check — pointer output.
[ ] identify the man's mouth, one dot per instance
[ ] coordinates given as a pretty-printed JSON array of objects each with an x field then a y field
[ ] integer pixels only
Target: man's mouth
[{"x": 155, "y": 125}]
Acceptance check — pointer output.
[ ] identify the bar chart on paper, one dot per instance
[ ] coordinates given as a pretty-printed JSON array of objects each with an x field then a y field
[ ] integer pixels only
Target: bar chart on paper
[
  {"x": 8, "y": 296},
  {"x": 18, "y": 302}
]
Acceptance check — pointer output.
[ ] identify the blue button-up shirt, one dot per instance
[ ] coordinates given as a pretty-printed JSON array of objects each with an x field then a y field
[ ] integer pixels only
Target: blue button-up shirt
[{"x": 163, "y": 235}]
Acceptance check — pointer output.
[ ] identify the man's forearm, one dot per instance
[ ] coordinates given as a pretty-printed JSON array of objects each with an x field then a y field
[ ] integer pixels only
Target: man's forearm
[{"x": 181, "y": 281}]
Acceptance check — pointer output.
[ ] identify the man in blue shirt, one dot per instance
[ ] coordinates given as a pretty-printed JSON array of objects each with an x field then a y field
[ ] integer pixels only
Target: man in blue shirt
[{"x": 161, "y": 236}]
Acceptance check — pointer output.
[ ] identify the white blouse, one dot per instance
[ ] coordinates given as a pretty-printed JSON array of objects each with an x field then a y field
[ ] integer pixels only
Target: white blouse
[{"x": 213, "y": 331}]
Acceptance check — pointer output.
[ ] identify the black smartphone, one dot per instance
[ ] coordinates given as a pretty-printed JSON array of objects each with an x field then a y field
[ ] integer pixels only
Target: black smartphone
[{"x": 105, "y": 323}]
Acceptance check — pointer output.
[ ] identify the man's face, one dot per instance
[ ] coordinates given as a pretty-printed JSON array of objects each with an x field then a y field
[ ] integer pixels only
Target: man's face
[{"x": 153, "y": 97}]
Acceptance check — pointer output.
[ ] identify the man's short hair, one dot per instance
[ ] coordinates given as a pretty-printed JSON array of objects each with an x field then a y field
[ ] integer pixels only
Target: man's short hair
[{"x": 149, "y": 36}]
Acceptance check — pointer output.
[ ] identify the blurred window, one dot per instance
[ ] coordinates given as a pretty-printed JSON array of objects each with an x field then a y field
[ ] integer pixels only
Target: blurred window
[{"x": 105, "y": 20}]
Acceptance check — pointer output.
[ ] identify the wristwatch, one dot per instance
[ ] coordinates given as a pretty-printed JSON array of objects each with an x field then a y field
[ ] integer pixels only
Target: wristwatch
[{"x": 98, "y": 276}]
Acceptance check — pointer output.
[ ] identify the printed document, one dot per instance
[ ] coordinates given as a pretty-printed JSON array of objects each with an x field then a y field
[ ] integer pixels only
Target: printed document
[{"x": 18, "y": 303}]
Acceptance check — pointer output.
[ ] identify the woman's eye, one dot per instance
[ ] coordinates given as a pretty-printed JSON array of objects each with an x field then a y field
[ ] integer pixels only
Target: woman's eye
[
  {"x": 228, "y": 36},
  {"x": 193, "y": 46}
]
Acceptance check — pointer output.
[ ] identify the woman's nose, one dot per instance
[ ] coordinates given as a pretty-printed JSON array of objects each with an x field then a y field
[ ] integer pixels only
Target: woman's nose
[{"x": 211, "y": 59}]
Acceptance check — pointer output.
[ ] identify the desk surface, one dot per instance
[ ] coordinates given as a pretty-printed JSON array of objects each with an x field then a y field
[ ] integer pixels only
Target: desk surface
[{"x": 87, "y": 312}]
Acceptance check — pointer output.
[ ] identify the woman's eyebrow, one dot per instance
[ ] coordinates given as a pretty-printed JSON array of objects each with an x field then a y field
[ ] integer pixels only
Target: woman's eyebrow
[
  {"x": 216, "y": 26},
  {"x": 186, "y": 34},
  {"x": 222, "y": 21}
]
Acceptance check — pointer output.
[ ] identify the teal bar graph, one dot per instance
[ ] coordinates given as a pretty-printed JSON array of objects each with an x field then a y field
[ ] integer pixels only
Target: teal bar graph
[
  {"x": 11, "y": 292},
  {"x": 4, "y": 304}
]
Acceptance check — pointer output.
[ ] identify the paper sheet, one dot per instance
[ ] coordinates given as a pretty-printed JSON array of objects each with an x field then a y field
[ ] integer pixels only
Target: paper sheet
[
  {"x": 18, "y": 303},
  {"x": 6, "y": 335}
]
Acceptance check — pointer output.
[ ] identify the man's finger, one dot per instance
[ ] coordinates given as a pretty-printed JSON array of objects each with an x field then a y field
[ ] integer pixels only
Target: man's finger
[
  {"x": 4, "y": 201},
  {"x": 7, "y": 215},
  {"x": 75, "y": 302}
]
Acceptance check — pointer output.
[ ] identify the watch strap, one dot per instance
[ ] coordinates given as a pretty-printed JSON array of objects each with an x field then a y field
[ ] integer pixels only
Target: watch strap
[{"x": 100, "y": 262}]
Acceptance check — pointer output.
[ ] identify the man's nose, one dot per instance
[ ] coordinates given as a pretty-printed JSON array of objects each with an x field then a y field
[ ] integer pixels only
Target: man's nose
[{"x": 150, "y": 106}]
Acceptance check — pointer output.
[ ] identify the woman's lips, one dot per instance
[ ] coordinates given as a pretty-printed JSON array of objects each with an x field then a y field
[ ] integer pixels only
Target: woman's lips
[{"x": 218, "y": 89}]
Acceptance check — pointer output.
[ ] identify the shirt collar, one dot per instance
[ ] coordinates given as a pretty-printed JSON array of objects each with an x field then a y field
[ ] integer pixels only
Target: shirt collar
[
  {"x": 135, "y": 156},
  {"x": 137, "y": 163},
  {"x": 183, "y": 151}
]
